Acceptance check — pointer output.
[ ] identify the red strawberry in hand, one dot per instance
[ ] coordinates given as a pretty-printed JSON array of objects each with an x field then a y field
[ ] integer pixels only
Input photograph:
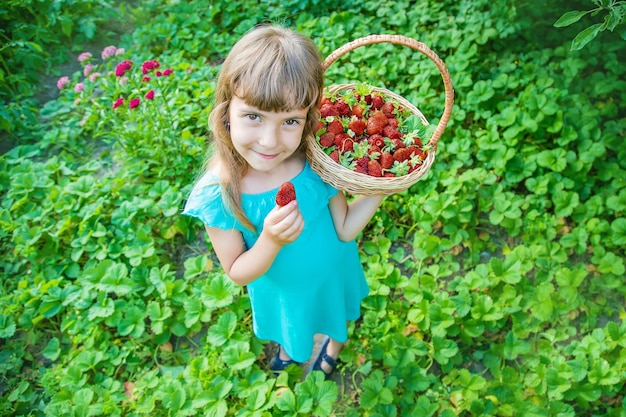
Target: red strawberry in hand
[{"x": 286, "y": 194}]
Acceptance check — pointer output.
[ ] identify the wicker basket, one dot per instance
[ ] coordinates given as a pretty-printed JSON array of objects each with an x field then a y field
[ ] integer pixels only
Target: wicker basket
[{"x": 353, "y": 182}]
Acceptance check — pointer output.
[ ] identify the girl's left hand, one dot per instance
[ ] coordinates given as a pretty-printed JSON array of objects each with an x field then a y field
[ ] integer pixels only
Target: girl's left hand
[{"x": 284, "y": 224}]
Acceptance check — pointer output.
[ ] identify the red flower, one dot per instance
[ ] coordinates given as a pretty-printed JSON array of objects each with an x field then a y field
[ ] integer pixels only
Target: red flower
[
  {"x": 149, "y": 95},
  {"x": 134, "y": 103},
  {"x": 122, "y": 67},
  {"x": 146, "y": 79},
  {"x": 118, "y": 103},
  {"x": 158, "y": 73},
  {"x": 149, "y": 66},
  {"x": 167, "y": 72}
]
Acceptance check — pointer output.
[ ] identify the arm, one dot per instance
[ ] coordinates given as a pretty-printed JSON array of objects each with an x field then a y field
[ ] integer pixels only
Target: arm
[
  {"x": 350, "y": 219},
  {"x": 281, "y": 226}
]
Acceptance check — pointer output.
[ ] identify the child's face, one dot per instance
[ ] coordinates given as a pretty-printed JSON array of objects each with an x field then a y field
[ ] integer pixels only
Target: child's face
[{"x": 265, "y": 139}]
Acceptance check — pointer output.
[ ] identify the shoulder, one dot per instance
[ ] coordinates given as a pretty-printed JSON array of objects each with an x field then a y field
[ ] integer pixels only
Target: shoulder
[{"x": 205, "y": 202}]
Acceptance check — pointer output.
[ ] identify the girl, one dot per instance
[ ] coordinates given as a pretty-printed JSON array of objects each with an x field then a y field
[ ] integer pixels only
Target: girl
[{"x": 299, "y": 262}]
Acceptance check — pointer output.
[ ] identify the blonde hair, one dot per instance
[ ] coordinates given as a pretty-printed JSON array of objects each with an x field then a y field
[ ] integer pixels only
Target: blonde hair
[{"x": 274, "y": 69}]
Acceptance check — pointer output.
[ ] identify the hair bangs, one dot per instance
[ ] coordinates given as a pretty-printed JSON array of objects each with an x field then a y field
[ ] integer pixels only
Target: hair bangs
[{"x": 279, "y": 81}]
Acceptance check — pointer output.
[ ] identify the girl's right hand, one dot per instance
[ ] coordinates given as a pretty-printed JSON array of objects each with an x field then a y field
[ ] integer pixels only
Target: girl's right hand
[{"x": 284, "y": 224}]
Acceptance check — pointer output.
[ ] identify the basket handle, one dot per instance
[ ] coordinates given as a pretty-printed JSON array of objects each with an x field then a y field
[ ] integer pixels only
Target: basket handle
[{"x": 413, "y": 44}]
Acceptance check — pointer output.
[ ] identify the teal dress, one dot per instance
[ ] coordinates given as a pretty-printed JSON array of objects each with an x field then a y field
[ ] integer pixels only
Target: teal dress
[{"x": 316, "y": 283}]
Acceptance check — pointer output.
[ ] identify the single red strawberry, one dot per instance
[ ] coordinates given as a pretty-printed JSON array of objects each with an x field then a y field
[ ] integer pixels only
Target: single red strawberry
[
  {"x": 377, "y": 140},
  {"x": 402, "y": 154},
  {"x": 347, "y": 145},
  {"x": 376, "y": 123},
  {"x": 360, "y": 169},
  {"x": 335, "y": 127},
  {"x": 357, "y": 126},
  {"x": 414, "y": 150},
  {"x": 357, "y": 111},
  {"x": 319, "y": 126},
  {"x": 386, "y": 160},
  {"x": 373, "y": 149},
  {"x": 327, "y": 139},
  {"x": 377, "y": 101},
  {"x": 391, "y": 132},
  {"x": 362, "y": 162},
  {"x": 389, "y": 175},
  {"x": 342, "y": 108},
  {"x": 334, "y": 155},
  {"x": 388, "y": 109},
  {"x": 393, "y": 122},
  {"x": 286, "y": 194},
  {"x": 374, "y": 169},
  {"x": 398, "y": 144},
  {"x": 328, "y": 109},
  {"x": 340, "y": 138}
]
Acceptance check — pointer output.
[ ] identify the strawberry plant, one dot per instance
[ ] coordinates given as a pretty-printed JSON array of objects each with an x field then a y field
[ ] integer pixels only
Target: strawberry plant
[{"x": 496, "y": 282}]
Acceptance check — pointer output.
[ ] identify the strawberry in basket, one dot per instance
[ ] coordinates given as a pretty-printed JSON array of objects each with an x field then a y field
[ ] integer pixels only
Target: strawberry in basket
[{"x": 369, "y": 133}]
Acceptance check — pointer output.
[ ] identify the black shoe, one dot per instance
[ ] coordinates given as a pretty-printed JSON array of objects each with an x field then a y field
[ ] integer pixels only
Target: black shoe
[
  {"x": 323, "y": 356},
  {"x": 277, "y": 364}
]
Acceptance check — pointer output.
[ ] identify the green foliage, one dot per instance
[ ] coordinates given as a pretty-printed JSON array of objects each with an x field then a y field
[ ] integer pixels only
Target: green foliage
[
  {"x": 30, "y": 31},
  {"x": 613, "y": 12},
  {"x": 496, "y": 281}
]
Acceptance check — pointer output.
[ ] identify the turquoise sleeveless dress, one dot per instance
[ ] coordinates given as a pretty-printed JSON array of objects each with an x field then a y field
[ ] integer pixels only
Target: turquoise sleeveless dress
[{"x": 316, "y": 283}]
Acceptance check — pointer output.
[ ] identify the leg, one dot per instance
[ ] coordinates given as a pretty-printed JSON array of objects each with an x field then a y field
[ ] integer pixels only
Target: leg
[
  {"x": 281, "y": 361},
  {"x": 326, "y": 360}
]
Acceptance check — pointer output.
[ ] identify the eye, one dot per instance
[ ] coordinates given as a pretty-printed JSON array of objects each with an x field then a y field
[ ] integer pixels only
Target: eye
[
  {"x": 292, "y": 122},
  {"x": 251, "y": 116}
]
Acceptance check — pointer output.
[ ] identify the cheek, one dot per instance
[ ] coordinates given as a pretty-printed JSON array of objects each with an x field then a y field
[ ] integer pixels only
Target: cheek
[{"x": 294, "y": 139}]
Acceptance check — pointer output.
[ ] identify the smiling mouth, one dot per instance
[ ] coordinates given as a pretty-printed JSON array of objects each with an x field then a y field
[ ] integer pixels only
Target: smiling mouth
[{"x": 266, "y": 156}]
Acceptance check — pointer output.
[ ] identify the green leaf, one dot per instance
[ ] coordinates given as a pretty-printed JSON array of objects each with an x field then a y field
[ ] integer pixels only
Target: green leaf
[
  {"x": 570, "y": 17},
  {"x": 52, "y": 350},
  {"x": 585, "y": 36},
  {"x": 218, "y": 292},
  {"x": 132, "y": 322},
  {"x": 322, "y": 393},
  {"x": 220, "y": 332},
  {"x": 618, "y": 228},
  {"x": 158, "y": 316},
  {"x": 424, "y": 408},
  {"x": 7, "y": 326},
  {"x": 196, "y": 265},
  {"x": 238, "y": 356},
  {"x": 565, "y": 202},
  {"x": 287, "y": 401},
  {"x": 102, "y": 308}
]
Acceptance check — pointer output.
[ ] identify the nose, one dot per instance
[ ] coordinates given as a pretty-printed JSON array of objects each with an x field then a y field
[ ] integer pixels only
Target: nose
[{"x": 269, "y": 136}]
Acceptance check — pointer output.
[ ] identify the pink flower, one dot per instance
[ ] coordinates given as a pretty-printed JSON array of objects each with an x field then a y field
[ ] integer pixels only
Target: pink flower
[
  {"x": 79, "y": 87},
  {"x": 134, "y": 103},
  {"x": 149, "y": 66},
  {"x": 149, "y": 95},
  {"x": 62, "y": 82},
  {"x": 123, "y": 80},
  {"x": 120, "y": 51},
  {"x": 146, "y": 79},
  {"x": 108, "y": 51},
  {"x": 118, "y": 102},
  {"x": 87, "y": 70},
  {"x": 167, "y": 72},
  {"x": 84, "y": 56},
  {"x": 122, "y": 67},
  {"x": 93, "y": 76},
  {"x": 158, "y": 73}
]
